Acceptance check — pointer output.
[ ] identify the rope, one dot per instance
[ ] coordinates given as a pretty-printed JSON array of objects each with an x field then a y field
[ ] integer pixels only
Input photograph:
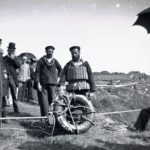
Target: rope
[
  {"x": 117, "y": 112},
  {"x": 42, "y": 129},
  {"x": 123, "y": 119},
  {"x": 19, "y": 129},
  {"x": 44, "y": 117},
  {"x": 22, "y": 118},
  {"x": 32, "y": 125},
  {"x": 116, "y": 86}
]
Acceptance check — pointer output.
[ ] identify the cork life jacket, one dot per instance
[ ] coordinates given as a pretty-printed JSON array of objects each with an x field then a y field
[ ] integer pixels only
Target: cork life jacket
[
  {"x": 77, "y": 72},
  {"x": 77, "y": 77}
]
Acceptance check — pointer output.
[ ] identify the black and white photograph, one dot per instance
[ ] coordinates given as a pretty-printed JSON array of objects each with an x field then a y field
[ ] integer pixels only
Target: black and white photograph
[{"x": 75, "y": 74}]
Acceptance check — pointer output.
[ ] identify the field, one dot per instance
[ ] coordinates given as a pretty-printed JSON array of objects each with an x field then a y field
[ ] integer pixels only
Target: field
[{"x": 109, "y": 132}]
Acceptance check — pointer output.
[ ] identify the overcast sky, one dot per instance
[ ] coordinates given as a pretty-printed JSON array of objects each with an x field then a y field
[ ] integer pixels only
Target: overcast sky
[{"x": 103, "y": 29}]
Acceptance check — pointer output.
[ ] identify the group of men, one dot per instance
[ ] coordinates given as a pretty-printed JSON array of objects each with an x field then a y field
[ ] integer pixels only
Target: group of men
[
  {"x": 49, "y": 75},
  {"x": 11, "y": 64}
]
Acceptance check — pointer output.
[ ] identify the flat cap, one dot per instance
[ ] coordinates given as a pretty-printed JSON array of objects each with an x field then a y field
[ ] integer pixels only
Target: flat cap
[
  {"x": 49, "y": 47},
  {"x": 74, "y": 47}
]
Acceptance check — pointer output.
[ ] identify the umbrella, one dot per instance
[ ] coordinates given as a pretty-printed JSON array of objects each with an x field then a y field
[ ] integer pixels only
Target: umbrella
[
  {"x": 144, "y": 19},
  {"x": 28, "y": 55}
]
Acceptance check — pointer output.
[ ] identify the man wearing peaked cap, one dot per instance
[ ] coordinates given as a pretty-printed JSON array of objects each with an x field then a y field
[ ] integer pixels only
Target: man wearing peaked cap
[
  {"x": 47, "y": 75},
  {"x": 77, "y": 73},
  {"x": 12, "y": 64}
]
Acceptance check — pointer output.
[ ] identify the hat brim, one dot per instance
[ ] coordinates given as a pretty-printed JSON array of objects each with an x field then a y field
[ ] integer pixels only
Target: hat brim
[{"x": 9, "y": 49}]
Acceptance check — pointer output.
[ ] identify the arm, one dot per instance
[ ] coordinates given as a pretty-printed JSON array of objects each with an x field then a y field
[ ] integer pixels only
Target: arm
[
  {"x": 63, "y": 75},
  {"x": 37, "y": 77},
  {"x": 90, "y": 76},
  {"x": 15, "y": 62},
  {"x": 38, "y": 70},
  {"x": 29, "y": 72},
  {"x": 59, "y": 68}
]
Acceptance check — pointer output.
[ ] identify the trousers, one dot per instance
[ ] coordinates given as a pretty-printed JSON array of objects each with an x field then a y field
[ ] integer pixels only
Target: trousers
[
  {"x": 142, "y": 119},
  {"x": 13, "y": 91},
  {"x": 45, "y": 97}
]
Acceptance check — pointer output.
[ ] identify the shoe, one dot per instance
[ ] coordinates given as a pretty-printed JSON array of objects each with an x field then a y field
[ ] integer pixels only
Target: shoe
[
  {"x": 133, "y": 129},
  {"x": 16, "y": 112}
]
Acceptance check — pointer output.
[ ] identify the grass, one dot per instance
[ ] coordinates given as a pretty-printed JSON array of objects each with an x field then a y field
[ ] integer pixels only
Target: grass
[{"x": 35, "y": 135}]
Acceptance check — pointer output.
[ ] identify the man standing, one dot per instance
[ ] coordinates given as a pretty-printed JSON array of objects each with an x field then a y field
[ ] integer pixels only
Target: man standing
[
  {"x": 32, "y": 95},
  {"x": 3, "y": 85},
  {"x": 78, "y": 74},
  {"x": 12, "y": 64},
  {"x": 47, "y": 74},
  {"x": 23, "y": 77}
]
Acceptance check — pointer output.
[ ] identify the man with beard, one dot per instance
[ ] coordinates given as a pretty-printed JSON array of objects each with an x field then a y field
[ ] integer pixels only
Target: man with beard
[
  {"x": 47, "y": 75},
  {"x": 12, "y": 64},
  {"x": 78, "y": 74}
]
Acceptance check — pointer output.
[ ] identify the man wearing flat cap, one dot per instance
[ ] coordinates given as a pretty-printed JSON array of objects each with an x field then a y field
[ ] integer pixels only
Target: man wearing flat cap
[
  {"x": 47, "y": 74},
  {"x": 12, "y": 64},
  {"x": 78, "y": 74}
]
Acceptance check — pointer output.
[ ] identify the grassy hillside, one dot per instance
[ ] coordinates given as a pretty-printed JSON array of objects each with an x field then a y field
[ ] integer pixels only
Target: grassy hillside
[{"x": 35, "y": 135}]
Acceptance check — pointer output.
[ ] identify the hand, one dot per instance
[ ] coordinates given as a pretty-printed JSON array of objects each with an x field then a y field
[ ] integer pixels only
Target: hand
[
  {"x": 92, "y": 95},
  {"x": 5, "y": 76},
  {"x": 58, "y": 80},
  {"x": 61, "y": 91},
  {"x": 20, "y": 84},
  {"x": 12, "y": 56},
  {"x": 39, "y": 87}
]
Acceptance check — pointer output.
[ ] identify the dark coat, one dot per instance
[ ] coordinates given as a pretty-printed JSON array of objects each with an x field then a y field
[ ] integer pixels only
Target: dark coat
[
  {"x": 5, "y": 80},
  {"x": 48, "y": 73},
  {"x": 11, "y": 66}
]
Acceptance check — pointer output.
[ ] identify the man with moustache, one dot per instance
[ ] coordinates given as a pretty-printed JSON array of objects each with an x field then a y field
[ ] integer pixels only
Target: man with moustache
[
  {"x": 47, "y": 75},
  {"x": 78, "y": 74},
  {"x": 12, "y": 64}
]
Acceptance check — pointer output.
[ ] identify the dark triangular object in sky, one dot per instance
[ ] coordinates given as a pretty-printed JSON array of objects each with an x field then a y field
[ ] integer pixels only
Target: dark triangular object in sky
[{"x": 144, "y": 19}]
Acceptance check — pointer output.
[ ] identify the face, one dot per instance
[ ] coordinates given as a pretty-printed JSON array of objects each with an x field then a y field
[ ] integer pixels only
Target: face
[
  {"x": 49, "y": 53},
  {"x": 11, "y": 52},
  {"x": 24, "y": 61},
  {"x": 75, "y": 53}
]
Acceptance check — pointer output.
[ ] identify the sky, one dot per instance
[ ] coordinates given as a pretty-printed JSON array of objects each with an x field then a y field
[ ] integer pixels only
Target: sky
[{"x": 102, "y": 28}]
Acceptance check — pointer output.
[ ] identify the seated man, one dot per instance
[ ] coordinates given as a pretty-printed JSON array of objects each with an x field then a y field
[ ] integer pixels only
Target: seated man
[
  {"x": 141, "y": 121},
  {"x": 78, "y": 74}
]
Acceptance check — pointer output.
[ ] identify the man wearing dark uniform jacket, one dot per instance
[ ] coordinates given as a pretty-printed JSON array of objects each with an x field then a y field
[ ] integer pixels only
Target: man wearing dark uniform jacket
[
  {"x": 3, "y": 84},
  {"x": 78, "y": 74},
  {"x": 47, "y": 75},
  {"x": 12, "y": 64}
]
